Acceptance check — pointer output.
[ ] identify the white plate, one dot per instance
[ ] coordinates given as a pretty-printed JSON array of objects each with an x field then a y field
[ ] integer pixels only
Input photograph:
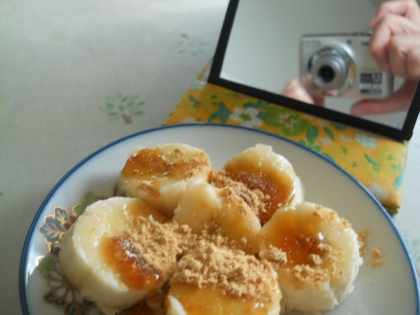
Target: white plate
[{"x": 391, "y": 288}]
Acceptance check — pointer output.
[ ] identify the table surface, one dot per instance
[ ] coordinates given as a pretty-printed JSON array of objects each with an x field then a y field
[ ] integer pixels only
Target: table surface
[{"x": 64, "y": 62}]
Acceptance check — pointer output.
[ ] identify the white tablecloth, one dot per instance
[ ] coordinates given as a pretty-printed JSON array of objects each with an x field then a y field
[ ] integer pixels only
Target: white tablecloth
[{"x": 67, "y": 66}]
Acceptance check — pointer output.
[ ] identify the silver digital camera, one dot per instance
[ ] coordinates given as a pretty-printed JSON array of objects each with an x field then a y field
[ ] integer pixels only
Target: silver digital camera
[{"x": 341, "y": 65}]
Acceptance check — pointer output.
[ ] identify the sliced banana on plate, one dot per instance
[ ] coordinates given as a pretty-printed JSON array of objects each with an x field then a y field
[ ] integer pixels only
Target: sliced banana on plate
[
  {"x": 221, "y": 211},
  {"x": 212, "y": 280},
  {"x": 260, "y": 168},
  {"x": 316, "y": 255},
  {"x": 160, "y": 175},
  {"x": 118, "y": 251}
]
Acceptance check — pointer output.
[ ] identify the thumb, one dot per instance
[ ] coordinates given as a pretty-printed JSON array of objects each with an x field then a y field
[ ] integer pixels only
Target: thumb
[{"x": 401, "y": 100}]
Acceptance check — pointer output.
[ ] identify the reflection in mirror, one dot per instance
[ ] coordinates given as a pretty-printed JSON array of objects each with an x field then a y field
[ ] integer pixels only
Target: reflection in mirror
[{"x": 313, "y": 51}]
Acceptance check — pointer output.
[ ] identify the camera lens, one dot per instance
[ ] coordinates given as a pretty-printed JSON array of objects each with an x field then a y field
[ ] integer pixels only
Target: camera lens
[
  {"x": 329, "y": 68},
  {"x": 326, "y": 74}
]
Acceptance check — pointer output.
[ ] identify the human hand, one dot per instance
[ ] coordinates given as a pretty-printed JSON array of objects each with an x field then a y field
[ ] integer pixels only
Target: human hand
[
  {"x": 295, "y": 89},
  {"x": 306, "y": 91},
  {"x": 395, "y": 44},
  {"x": 400, "y": 100}
]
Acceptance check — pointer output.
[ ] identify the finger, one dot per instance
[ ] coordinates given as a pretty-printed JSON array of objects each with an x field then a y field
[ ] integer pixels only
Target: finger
[
  {"x": 413, "y": 63},
  {"x": 294, "y": 89},
  {"x": 408, "y": 9},
  {"x": 389, "y": 26},
  {"x": 404, "y": 56},
  {"x": 401, "y": 100}
]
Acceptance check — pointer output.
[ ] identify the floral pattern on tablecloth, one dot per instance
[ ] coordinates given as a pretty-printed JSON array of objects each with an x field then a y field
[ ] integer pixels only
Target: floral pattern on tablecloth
[
  {"x": 376, "y": 162},
  {"x": 123, "y": 107},
  {"x": 189, "y": 44}
]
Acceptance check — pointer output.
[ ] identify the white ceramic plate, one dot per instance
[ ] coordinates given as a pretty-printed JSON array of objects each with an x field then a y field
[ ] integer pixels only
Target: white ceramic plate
[{"x": 390, "y": 288}]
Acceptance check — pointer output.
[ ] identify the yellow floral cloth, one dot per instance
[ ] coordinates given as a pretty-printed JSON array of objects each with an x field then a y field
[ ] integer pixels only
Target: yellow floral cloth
[{"x": 377, "y": 162}]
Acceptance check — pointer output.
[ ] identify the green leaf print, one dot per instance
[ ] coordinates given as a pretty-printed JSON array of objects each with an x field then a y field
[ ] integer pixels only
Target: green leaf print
[
  {"x": 399, "y": 180},
  {"x": 344, "y": 150},
  {"x": 337, "y": 126},
  {"x": 261, "y": 115},
  {"x": 223, "y": 114},
  {"x": 312, "y": 133},
  {"x": 329, "y": 133},
  {"x": 196, "y": 103},
  {"x": 371, "y": 161},
  {"x": 376, "y": 165}
]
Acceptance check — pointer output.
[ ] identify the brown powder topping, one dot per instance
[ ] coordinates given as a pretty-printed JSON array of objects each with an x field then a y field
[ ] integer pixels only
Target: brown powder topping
[
  {"x": 307, "y": 274},
  {"x": 255, "y": 199},
  {"x": 316, "y": 259},
  {"x": 210, "y": 233},
  {"x": 274, "y": 255},
  {"x": 362, "y": 236},
  {"x": 232, "y": 271},
  {"x": 323, "y": 247},
  {"x": 157, "y": 244},
  {"x": 376, "y": 252},
  {"x": 378, "y": 260}
]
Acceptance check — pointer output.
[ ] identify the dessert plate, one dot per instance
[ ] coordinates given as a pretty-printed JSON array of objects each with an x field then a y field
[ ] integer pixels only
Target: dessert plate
[{"x": 385, "y": 285}]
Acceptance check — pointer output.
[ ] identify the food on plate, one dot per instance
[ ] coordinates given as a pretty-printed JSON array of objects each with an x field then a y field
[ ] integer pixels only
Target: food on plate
[
  {"x": 219, "y": 210},
  {"x": 316, "y": 256},
  {"x": 159, "y": 175},
  {"x": 213, "y": 280},
  {"x": 118, "y": 251},
  {"x": 241, "y": 237},
  {"x": 260, "y": 168}
]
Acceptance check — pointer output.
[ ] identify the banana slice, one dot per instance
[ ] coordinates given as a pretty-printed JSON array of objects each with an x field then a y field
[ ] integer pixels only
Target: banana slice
[
  {"x": 316, "y": 255},
  {"x": 212, "y": 280},
  {"x": 117, "y": 252},
  {"x": 160, "y": 174},
  {"x": 219, "y": 210},
  {"x": 259, "y": 168}
]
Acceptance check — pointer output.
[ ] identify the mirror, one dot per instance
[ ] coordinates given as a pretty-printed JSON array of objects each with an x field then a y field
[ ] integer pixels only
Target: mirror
[{"x": 323, "y": 45}]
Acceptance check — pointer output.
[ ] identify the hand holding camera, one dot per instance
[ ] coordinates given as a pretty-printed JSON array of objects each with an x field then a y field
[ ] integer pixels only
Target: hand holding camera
[
  {"x": 395, "y": 44},
  {"x": 394, "y": 47},
  {"x": 341, "y": 65}
]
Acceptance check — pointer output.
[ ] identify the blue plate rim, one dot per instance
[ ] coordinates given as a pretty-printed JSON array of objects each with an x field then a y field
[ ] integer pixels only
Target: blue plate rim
[{"x": 28, "y": 238}]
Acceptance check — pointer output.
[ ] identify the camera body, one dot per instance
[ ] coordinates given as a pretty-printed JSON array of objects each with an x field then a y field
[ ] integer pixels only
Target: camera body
[{"x": 341, "y": 65}]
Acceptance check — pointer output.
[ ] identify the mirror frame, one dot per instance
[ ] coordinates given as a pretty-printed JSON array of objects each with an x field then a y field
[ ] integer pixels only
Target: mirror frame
[{"x": 402, "y": 134}]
